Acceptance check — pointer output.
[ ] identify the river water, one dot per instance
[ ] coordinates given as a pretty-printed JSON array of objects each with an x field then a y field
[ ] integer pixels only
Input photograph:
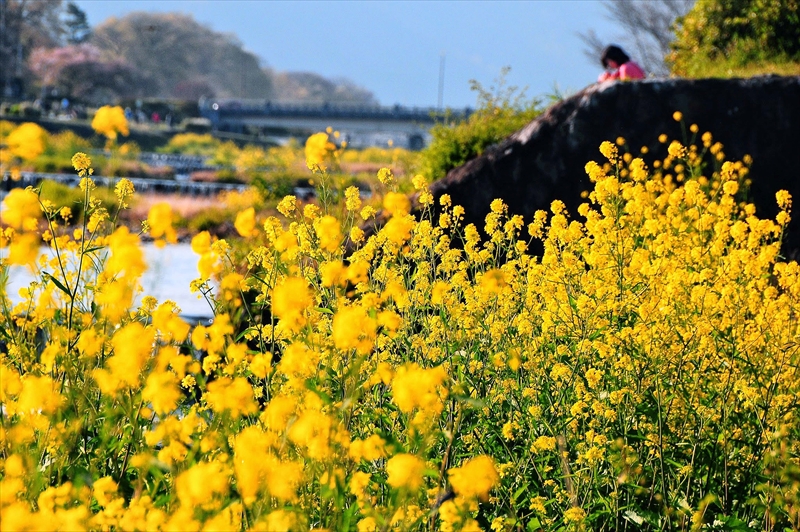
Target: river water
[{"x": 170, "y": 270}]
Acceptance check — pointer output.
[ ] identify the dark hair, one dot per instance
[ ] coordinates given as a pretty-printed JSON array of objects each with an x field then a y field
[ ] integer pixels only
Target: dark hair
[{"x": 612, "y": 52}]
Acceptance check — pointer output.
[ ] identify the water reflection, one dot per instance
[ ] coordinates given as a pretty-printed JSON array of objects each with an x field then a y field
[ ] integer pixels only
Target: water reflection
[{"x": 170, "y": 270}]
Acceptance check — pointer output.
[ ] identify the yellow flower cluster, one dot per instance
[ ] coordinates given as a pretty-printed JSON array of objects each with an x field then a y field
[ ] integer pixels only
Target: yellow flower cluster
[
  {"x": 159, "y": 218},
  {"x": 642, "y": 369},
  {"x": 318, "y": 151},
  {"x": 110, "y": 121},
  {"x": 27, "y": 141}
]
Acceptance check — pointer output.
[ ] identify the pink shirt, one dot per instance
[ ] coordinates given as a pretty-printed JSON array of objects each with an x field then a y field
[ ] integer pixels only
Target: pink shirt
[
  {"x": 627, "y": 71},
  {"x": 631, "y": 70}
]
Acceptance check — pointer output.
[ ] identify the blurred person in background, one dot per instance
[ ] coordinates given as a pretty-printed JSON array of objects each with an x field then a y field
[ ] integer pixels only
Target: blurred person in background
[{"x": 618, "y": 65}]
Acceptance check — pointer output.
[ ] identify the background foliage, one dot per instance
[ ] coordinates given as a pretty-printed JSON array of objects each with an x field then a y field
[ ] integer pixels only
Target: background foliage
[
  {"x": 734, "y": 37},
  {"x": 501, "y": 110}
]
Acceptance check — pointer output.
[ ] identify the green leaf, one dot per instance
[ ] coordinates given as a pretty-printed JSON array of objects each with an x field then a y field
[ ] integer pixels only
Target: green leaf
[
  {"x": 58, "y": 284},
  {"x": 322, "y": 395},
  {"x": 241, "y": 334},
  {"x": 477, "y": 403}
]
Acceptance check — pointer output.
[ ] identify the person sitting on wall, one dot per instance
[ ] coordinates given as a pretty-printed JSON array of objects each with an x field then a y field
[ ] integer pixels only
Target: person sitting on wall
[{"x": 618, "y": 65}]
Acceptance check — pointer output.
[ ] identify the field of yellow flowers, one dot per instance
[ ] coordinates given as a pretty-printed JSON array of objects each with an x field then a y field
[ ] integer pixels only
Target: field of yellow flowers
[{"x": 641, "y": 374}]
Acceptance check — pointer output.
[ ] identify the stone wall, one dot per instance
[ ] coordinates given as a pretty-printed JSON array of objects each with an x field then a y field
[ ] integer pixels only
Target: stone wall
[{"x": 545, "y": 160}]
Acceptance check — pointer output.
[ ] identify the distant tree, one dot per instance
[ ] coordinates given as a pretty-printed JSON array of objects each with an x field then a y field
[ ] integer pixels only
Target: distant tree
[
  {"x": 47, "y": 64},
  {"x": 170, "y": 49},
  {"x": 647, "y": 31},
  {"x": 734, "y": 34},
  {"x": 80, "y": 71},
  {"x": 24, "y": 26},
  {"x": 76, "y": 25},
  {"x": 310, "y": 87},
  {"x": 194, "y": 89}
]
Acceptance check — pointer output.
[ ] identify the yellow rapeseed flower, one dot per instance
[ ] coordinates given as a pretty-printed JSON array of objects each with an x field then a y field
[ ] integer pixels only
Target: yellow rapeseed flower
[
  {"x": 280, "y": 521},
  {"x": 290, "y": 299},
  {"x": 161, "y": 391},
  {"x": 609, "y": 151},
  {"x": 354, "y": 328},
  {"x": 332, "y": 273},
  {"x": 405, "y": 471},
  {"x": 245, "y": 223},
  {"x": 81, "y": 162},
  {"x": 415, "y": 387},
  {"x": 367, "y": 212},
  {"x": 160, "y": 220},
  {"x": 27, "y": 141},
  {"x": 234, "y": 396},
  {"x": 317, "y": 150},
  {"x": 386, "y": 176},
  {"x": 784, "y": 199},
  {"x": 676, "y": 150},
  {"x": 198, "y": 486},
  {"x": 201, "y": 242},
  {"x": 352, "y": 199},
  {"x": 574, "y": 515},
  {"x": 371, "y": 449},
  {"x": 329, "y": 232},
  {"x": 638, "y": 170},
  {"x": 357, "y": 234},
  {"x": 21, "y": 209},
  {"x": 287, "y": 206},
  {"x": 396, "y": 203},
  {"x": 312, "y": 431},
  {"x": 23, "y": 250},
  {"x": 475, "y": 478},
  {"x": 543, "y": 443},
  {"x": 104, "y": 490},
  {"x": 398, "y": 229},
  {"x": 123, "y": 190},
  {"x": 110, "y": 121},
  {"x": 38, "y": 396},
  {"x": 126, "y": 258},
  {"x": 493, "y": 281}
]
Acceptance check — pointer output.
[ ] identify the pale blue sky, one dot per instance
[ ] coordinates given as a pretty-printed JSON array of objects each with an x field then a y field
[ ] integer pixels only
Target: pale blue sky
[{"x": 393, "y": 48}]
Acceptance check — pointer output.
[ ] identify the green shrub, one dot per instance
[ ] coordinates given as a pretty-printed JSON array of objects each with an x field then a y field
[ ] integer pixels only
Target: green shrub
[
  {"x": 52, "y": 164},
  {"x": 736, "y": 38},
  {"x": 226, "y": 175},
  {"x": 208, "y": 220},
  {"x": 191, "y": 144},
  {"x": 66, "y": 196},
  {"x": 275, "y": 185},
  {"x": 501, "y": 111},
  {"x": 60, "y": 147}
]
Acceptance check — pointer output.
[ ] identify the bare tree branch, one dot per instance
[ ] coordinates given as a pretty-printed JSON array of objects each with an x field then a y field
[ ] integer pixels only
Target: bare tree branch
[
  {"x": 647, "y": 30},
  {"x": 593, "y": 45}
]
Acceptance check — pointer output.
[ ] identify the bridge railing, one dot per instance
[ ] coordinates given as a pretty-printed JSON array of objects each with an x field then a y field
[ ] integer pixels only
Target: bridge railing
[
  {"x": 141, "y": 185},
  {"x": 236, "y": 107}
]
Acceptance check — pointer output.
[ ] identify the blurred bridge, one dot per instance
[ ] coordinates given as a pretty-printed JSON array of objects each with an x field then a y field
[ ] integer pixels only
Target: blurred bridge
[
  {"x": 141, "y": 185},
  {"x": 360, "y": 125}
]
